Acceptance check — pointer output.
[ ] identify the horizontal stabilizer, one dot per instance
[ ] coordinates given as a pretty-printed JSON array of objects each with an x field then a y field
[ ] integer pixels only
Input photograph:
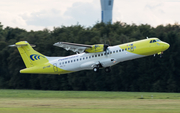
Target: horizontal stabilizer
[{"x": 19, "y": 44}]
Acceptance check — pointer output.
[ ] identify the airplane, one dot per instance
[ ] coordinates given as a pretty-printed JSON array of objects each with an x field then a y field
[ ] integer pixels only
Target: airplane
[{"x": 87, "y": 57}]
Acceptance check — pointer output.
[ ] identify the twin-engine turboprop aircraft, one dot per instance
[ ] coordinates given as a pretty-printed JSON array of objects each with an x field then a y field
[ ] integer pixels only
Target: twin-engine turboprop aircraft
[{"x": 88, "y": 57}]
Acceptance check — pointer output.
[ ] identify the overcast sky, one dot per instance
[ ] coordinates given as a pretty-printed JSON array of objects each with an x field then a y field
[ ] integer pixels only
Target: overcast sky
[{"x": 40, "y": 14}]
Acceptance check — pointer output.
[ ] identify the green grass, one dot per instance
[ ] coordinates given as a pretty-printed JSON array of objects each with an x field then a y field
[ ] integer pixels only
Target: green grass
[
  {"x": 35, "y": 101},
  {"x": 86, "y": 94}
]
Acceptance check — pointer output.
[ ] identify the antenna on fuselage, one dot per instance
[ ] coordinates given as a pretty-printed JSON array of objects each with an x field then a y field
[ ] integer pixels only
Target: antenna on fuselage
[{"x": 147, "y": 37}]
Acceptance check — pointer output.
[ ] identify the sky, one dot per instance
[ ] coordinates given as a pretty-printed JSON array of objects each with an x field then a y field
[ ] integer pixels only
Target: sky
[{"x": 40, "y": 14}]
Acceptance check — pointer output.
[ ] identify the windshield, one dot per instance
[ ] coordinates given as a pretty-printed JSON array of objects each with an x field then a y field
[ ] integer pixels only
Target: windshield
[
  {"x": 153, "y": 41},
  {"x": 158, "y": 40}
]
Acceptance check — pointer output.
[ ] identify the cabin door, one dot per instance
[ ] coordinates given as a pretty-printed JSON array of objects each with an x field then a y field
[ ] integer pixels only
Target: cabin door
[{"x": 55, "y": 67}]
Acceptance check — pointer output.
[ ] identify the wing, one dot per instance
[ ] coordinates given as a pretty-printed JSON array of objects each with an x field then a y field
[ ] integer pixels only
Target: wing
[{"x": 73, "y": 46}]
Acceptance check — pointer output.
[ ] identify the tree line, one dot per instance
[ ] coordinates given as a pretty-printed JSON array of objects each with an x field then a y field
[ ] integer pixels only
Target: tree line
[{"x": 145, "y": 74}]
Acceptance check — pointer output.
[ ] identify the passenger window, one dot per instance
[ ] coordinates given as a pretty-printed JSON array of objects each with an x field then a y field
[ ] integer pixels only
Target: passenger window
[
  {"x": 119, "y": 50},
  {"x": 71, "y": 60},
  {"x": 125, "y": 49},
  {"x": 122, "y": 49},
  {"x": 113, "y": 51},
  {"x": 95, "y": 55},
  {"x": 89, "y": 56},
  {"x": 83, "y": 58},
  {"x": 151, "y": 41},
  {"x": 68, "y": 61},
  {"x": 63, "y": 63},
  {"x": 154, "y": 41},
  {"x": 134, "y": 47},
  {"x": 116, "y": 51},
  {"x": 99, "y": 55},
  {"x": 110, "y": 52},
  {"x": 74, "y": 60},
  {"x": 80, "y": 58},
  {"x": 128, "y": 48},
  {"x": 86, "y": 57},
  {"x": 102, "y": 54},
  {"x": 77, "y": 59},
  {"x": 59, "y": 63}
]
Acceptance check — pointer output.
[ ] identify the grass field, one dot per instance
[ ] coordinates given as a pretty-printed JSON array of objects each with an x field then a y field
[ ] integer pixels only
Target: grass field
[{"x": 32, "y": 101}]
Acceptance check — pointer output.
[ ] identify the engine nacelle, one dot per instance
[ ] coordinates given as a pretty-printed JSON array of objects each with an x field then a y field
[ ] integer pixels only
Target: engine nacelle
[{"x": 96, "y": 48}]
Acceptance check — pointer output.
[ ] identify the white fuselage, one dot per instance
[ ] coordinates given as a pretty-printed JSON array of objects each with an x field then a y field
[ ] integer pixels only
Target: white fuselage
[
  {"x": 95, "y": 56},
  {"x": 86, "y": 61}
]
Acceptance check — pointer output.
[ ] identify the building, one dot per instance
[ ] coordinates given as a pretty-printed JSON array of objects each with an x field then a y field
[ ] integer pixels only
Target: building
[{"x": 106, "y": 11}]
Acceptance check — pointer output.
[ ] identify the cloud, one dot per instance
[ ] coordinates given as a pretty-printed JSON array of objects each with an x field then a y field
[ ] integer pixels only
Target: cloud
[
  {"x": 43, "y": 18},
  {"x": 147, "y": 12},
  {"x": 153, "y": 6},
  {"x": 84, "y": 13},
  {"x": 37, "y": 15},
  {"x": 80, "y": 12},
  {"x": 10, "y": 19},
  {"x": 41, "y": 13}
]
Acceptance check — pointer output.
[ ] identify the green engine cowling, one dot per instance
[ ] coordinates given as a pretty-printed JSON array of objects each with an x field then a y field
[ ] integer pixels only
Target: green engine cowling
[{"x": 96, "y": 48}]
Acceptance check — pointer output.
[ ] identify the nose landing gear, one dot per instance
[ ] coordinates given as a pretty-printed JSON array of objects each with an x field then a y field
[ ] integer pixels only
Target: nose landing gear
[{"x": 160, "y": 54}]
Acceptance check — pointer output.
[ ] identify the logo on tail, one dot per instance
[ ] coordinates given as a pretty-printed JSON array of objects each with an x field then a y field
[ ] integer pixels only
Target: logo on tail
[{"x": 36, "y": 57}]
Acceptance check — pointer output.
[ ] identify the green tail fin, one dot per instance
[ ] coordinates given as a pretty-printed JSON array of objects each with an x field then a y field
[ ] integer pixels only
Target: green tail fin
[{"x": 29, "y": 55}]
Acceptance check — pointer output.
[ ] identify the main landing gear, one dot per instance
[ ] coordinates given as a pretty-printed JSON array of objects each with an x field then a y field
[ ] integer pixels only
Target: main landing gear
[
  {"x": 96, "y": 69},
  {"x": 107, "y": 69},
  {"x": 99, "y": 66}
]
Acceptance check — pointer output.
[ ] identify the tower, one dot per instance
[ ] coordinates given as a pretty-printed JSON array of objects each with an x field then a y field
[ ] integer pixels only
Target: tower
[{"x": 106, "y": 10}]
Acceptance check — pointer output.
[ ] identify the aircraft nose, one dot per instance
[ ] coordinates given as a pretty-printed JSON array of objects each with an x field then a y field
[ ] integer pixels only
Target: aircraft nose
[{"x": 166, "y": 45}]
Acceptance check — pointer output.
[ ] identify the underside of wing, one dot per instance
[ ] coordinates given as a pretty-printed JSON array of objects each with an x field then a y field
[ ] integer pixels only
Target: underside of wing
[
  {"x": 79, "y": 48},
  {"x": 73, "y": 46}
]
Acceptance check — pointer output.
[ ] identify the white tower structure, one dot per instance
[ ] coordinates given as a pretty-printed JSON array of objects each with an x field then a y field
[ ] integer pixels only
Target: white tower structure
[{"x": 106, "y": 10}]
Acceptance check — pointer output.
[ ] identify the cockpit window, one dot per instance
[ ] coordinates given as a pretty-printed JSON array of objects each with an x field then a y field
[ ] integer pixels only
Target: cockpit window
[
  {"x": 158, "y": 40},
  {"x": 153, "y": 41}
]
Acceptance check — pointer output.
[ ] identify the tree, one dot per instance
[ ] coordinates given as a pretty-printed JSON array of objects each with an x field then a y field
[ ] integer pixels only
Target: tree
[{"x": 145, "y": 74}]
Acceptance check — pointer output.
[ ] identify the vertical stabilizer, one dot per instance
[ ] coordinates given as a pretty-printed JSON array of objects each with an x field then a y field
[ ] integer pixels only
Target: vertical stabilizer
[{"x": 29, "y": 55}]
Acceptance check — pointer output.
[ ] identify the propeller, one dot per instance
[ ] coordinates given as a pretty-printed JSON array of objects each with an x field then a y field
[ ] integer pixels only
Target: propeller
[{"x": 106, "y": 49}]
